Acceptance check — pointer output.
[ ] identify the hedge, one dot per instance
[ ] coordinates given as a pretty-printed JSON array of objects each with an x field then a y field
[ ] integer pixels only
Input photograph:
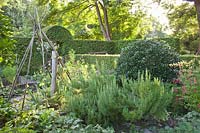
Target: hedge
[
  {"x": 189, "y": 57},
  {"x": 36, "y": 62},
  {"x": 87, "y": 46},
  {"x": 110, "y": 47},
  {"x": 91, "y": 46},
  {"x": 172, "y": 42}
]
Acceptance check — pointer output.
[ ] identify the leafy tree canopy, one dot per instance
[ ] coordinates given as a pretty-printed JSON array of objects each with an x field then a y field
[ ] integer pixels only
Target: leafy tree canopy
[
  {"x": 183, "y": 20},
  {"x": 6, "y": 43},
  {"x": 81, "y": 19}
]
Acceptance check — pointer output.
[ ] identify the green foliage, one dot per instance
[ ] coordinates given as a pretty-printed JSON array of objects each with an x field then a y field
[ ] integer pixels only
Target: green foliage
[
  {"x": 58, "y": 34},
  {"x": 87, "y": 46},
  {"x": 188, "y": 57},
  {"x": 42, "y": 96},
  {"x": 17, "y": 11},
  {"x": 189, "y": 123},
  {"x": 6, "y": 112},
  {"x": 172, "y": 42},
  {"x": 153, "y": 56},
  {"x": 108, "y": 61},
  {"x": 90, "y": 46},
  {"x": 183, "y": 20},
  {"x": 16, "y": 130},
  {"x": 9, "y": 73},
  {"x": 111, "y": 47},
  {"x": 126, "y": 25},
  {"x": 120, "y": 44},
  {"x": 194, "y": 45},
  {"x": 147, "y": 99},
  {"x": 96, "y": 98},
  {"x": 80, "y": 46},
  {"x": 187, "y": 94},
  {"x": 49, "y": 121},
  {"x": 184, "y": 24},
  {"x": 7, "y": 55},
  {"x": 82, "y": 20},
  {"x": 36, "y": 61}
]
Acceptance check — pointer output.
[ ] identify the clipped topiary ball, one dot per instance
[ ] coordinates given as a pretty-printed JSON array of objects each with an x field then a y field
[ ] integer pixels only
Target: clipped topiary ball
[
  {"x": 58, "y": 34},
  {"x": 145, "y": 54}
]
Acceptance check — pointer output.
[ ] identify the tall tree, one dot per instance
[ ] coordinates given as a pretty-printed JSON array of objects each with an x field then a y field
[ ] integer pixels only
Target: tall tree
[
  {"x": 85, "y": 22},
  {"x": 183, "y": 22},
  {"x": 197, "y": 6}
]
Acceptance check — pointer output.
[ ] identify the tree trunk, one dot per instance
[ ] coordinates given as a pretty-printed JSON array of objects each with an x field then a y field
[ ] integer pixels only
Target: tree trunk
[
  {"x": 104, "y": 31},
  {"x": 107, "y": 28},
  {"x": 197, "y": 6}
]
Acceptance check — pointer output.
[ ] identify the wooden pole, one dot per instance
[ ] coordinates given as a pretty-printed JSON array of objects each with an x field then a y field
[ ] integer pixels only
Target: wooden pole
[
  {"x": 54, "y": 71},
  {"x": 24, "y": 98}
]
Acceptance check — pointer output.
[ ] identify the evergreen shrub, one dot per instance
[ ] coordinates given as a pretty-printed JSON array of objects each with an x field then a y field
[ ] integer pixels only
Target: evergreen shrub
[
  {"x": 58, "y": 34},
  {"x": 98, "y": 99},
  {"x": 94, "y": 96},
  {"x": 146, "y": 98},
  {"x": 150, "y": 55}
]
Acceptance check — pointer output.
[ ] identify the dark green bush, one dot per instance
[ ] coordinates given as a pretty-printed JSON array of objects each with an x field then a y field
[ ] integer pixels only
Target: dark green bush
[
  {"x": 121, "y": 44},
  {"x": 146, "y": 54},
  {"x": 58, "y": 34}
]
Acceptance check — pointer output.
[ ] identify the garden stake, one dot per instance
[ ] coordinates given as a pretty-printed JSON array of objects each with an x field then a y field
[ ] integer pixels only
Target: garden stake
[
  {"x": 54, "y": 71},
  {"x": 36, "y": 31},
  {"x": 23, "y": 102}
]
